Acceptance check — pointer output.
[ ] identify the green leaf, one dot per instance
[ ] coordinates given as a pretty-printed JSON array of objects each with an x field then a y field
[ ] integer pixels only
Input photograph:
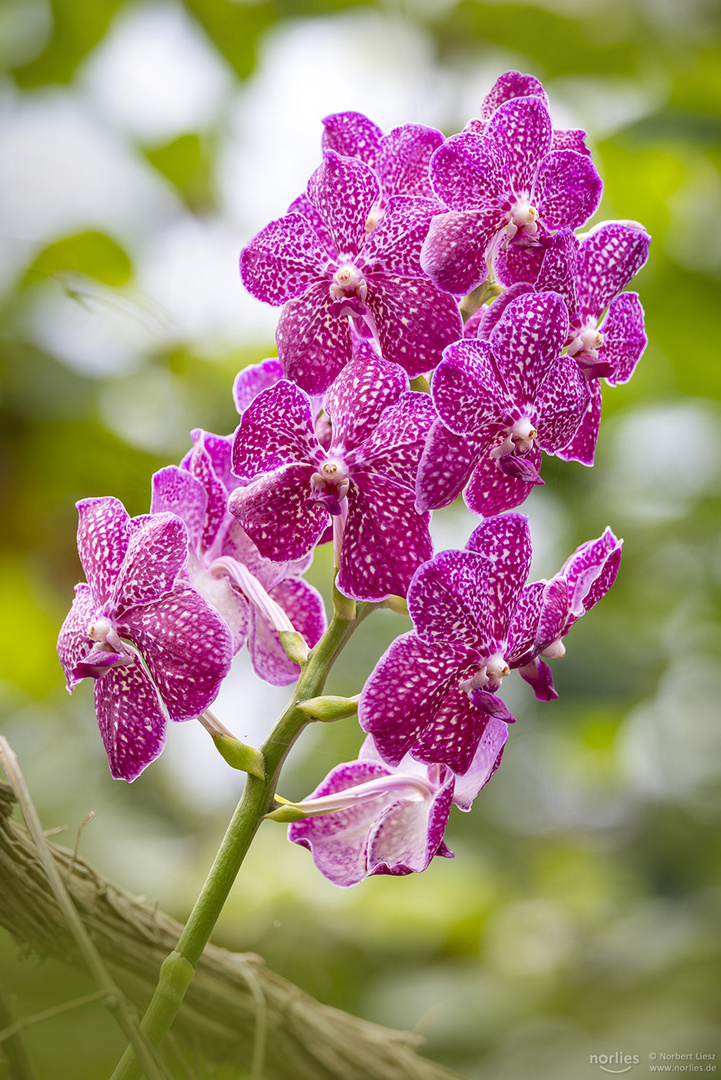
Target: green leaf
[{"x": 91, "y": 253}]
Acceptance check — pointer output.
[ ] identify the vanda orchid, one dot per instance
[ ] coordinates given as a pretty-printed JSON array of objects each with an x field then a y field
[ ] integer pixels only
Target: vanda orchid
[{"x": 380, "y": 409}]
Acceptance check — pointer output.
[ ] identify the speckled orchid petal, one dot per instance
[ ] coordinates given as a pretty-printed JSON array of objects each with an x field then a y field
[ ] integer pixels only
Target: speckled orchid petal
[
  {"x": 511, "y": 84},
  {"x": 304, "y": 606},
  {"x": 561, "y": 403},
  {"x": 624, "y": 337},
  {"x": 558, "y": 271},
  {"x": 277, "y": 513},
  {"x": 385, "y": 539},
  {"x": 355, "y": 401},
  {"x": 343, "y": 190},
  {"x": 491, "y": 491},
  {"x": 303, "y": 205},
  {"x": 352, "y": 134},
  {"x": 282, "y": 260},
  {"x": 513, "y": 264},
  {"x": 415, "y": 321},
  {"x": 453, "y": 735},
  {"x": 523, "y": 628},
  {"x": 156, "y": 554},
  {"x": 485, "y": 761},
  {"x": 582, "y": 447},
  {"x": 251, "y": 380},
  {"x": 394, "y": 448},
  {"x": 404, "y": 157},
  {"x": 521, "y": 128},
  {"x": 404, "y": 693},
  {"x": 131, "y": 719},
  {"x": 103, "y": 536},
  {"x": 393, "y": 821},
  {"x": 313, "y": 345},
  {"x": 73, "y": 643},
  {"x": 188, "y": 679},
  {"x": 570, "y": 139},
  {"x": 468, "y": 172},
  {"x": 449, "y": 599},
  {"x": 276, "y": 430},
  {"x": 454, "y": 251},
  {"x": 175, "y": 491},
  {"x": 527, "y": 341},
  {"x": 219, "y": 450},
  {"x": 567, "y": 189},
  {"x": 446, "y": 463},
  {"x": 394, "y": 246},
  {"x": 201, "y": 466},
  {"x": 505, "y": 542},
  {"x": 487, "y": 318},
  {"x": 467, "y": 391},
  {"x": 590, "y": 572},
  {"x": 608, "y": 258}
]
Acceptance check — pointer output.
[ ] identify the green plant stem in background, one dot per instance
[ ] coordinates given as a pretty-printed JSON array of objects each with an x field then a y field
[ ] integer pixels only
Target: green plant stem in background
[{"x": 177, "y": 969}]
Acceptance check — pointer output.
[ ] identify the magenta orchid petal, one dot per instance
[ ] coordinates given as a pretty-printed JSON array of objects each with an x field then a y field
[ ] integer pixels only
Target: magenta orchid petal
[
  {"x": 591, "y": 571},
  {"x": 155, "y": 555},
  {"x": 466, "y": 389},
  {"x": 562, "y": 401},
  {"x": 385, "y": 539},
  {"x": 487, "y": 318},
  {"x": 523, "y": 629},
  {"x": 491, "y": 491},
  {"x": 558, "y": 271},
  {"x": 454, "y": 251},
  {"x": 277, "y": 513},
  {"x": 188, "y": 677},
  {"x": 396, "y": 826},
  {"x": 404, "y": 693},
  {"x": 394, "y": 246},
  {"x": 485, "y": 761},
  {"x": 131, "y": 719},
  {"x": 582, "y": 447},
  {"x": 624, "y": 337},
  {"x": 416, "y": 305},
  {"x": 202, "y": 467},
  {"x": 505, "y": 542},
  {"x": 539, "y": 675},
  {"x": 313, "y": 344},
  {"x": 445, "y": 466},
  {"x": 567, "y": 189},
  {"x": 282, "y": 260},
  {"x": 523, "y": 127},
  {"x": 394, "y": 448},
  {"x": 352, "y": 134},
  {"x": 512, "y": 264},
  {"x": 343, "y": 190},
  {"x": 404, "y": 156},
  {"x": 469, "y": 172},
  {"x": 570, "y": 139},
  {"x": 511, "y": 84},
  {"x": 357, "y": 400},
  {"x": 608, "y": 258},
  {"x": 73, "y": 639},
  {"x": 103, "y": 532},
  {"x": 251, "y": 380},
  {"x": 527, "y": 341},
  {"x": 176, "y": 491},
  {"x": 276, "y": 430},
  {"x": 449, "y": 599}
]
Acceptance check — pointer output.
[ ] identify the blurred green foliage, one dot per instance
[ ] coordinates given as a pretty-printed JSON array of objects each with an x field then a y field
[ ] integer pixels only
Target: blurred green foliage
[{"x": 580, "y": 914}]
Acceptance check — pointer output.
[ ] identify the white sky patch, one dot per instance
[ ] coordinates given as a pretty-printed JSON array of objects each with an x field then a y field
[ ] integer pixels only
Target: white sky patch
[{"x": 155, "y": 74}]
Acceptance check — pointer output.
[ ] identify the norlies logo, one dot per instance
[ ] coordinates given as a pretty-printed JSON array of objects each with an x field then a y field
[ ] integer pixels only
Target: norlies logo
[{"x": 616, "y": 1063}]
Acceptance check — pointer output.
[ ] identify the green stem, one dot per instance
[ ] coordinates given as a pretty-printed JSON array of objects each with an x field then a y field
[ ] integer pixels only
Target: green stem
[{"x": 177, "y": 969}]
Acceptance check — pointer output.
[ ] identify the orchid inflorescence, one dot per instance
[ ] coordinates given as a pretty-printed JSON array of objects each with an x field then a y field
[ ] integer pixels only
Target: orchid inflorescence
[{"x": 442, "y": 326}]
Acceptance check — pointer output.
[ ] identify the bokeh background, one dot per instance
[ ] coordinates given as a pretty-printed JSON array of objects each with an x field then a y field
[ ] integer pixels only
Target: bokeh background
[{"x": 141, "y": 145}]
